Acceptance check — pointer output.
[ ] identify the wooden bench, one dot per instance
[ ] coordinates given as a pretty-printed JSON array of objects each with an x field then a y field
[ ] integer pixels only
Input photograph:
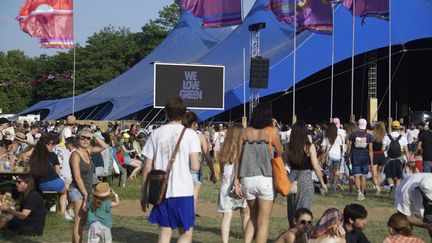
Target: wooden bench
[{"x": 51, "y": 198}]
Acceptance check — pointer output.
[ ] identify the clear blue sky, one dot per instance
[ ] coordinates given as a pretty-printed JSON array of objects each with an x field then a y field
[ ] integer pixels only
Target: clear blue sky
[{"x": 90, "y": 17}]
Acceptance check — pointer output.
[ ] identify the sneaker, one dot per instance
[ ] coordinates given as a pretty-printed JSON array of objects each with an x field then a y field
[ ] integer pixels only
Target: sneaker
[
  {"x": 360, "y": 196},
  {"x": 68, "y": 216},
  {"x": 378, "y": 192},
  {"x": 53, "y": 208},
  {"x": 340, "y": 188}
]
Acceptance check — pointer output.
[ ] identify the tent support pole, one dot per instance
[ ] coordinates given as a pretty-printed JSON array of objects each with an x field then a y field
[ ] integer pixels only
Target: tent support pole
[
  {"x": 154, "y": 118},
  {"x": 390, "y": 69},
  {"x": 332, "y": 65},
  {"x": 146, "y": 115},
  {"x": 294, "y": 117},
  {"x": 244, "y": 119},
  {"x": 352, "y": 116}
]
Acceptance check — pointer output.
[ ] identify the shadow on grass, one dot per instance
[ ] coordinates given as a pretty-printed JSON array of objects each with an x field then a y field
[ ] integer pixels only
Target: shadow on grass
[
  {"x": 9, "y": 236},
  {"x": 122, "y": 234}
]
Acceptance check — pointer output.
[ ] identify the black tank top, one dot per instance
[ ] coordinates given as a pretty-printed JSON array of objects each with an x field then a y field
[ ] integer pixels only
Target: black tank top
[{"x": 306, "y": 165}]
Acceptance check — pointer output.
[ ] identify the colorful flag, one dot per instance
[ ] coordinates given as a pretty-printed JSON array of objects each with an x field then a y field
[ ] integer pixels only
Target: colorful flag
[
  {"x": 369, "y": 8},
  {"x": 315, "y": 15},
  {"x": 215, "y": 13},
  {"x": 49, "y": 20},
  {"x": 283, "y": 10}
]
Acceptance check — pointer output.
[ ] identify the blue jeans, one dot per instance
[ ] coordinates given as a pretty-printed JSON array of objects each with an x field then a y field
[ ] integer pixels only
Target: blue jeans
[
  {"x": 427, "y": 166},
  {"x": 123, "y": 173}
]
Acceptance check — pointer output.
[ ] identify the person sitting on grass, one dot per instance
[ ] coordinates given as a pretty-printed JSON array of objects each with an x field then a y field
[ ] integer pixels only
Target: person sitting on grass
[
  {"x": 354, "y": 222},
  {"x": 99, "y": 217},
  {"x": 302, "y": 229},
  {"x": 30, "y": 219},
  {"x": 400, "y": 230}
]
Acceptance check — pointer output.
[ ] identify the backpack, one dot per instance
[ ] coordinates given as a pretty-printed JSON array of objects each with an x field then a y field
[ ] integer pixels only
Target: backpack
[
  {"x": 360, "y": 142},
  {"x": 394, "y": 149}
]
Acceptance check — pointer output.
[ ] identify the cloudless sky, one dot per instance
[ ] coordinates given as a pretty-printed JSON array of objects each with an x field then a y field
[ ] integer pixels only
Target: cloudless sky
[{"x": 90, "y": 16}]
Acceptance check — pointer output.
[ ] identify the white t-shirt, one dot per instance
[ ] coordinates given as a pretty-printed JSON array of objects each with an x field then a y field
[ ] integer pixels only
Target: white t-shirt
[
  {"x": 64, "y": 156},
  {"x": 411, "y": 134},
  {"x": 342, "y": 133},
  {"x": 402, "y": 141},
  {"x": 408, "y": 199},
  {"x": 30, "y": 138},
  {"x": 160, "y": 146},
  {"x": 335, "y": 149},
  {"x": 283, "y": 135},
  {"x": 67, "y": 132},
  {"x": 288, "y": 135}
]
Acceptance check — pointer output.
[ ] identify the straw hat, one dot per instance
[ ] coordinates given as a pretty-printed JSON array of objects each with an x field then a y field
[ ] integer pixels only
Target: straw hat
[
  {"x": 19, "y": 136},
  {"x": 102, "y": 190},
  {"x": 71, "y": 120}
]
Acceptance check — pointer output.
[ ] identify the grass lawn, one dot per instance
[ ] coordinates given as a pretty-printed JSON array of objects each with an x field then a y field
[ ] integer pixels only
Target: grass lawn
[{"x": 137, "y": 229}]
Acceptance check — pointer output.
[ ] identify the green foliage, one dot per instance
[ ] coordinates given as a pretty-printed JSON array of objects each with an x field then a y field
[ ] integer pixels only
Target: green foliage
[{"x": 106, "y": 55}]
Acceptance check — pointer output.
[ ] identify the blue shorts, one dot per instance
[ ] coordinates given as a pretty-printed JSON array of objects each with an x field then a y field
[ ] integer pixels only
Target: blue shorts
[
  {"x": 57, "y": 185},
  {"x": 360, "y": 170},
  {"x": 174, "y": 213},
  {"x": 127, "y": 160}
]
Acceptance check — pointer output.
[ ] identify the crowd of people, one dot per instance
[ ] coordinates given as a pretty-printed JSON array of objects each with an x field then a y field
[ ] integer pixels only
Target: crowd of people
[{"x": 71, "y": 159}]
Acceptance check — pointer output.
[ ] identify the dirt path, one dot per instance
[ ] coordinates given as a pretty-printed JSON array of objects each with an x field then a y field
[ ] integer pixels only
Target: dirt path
[{"x": 207, "y": 209}]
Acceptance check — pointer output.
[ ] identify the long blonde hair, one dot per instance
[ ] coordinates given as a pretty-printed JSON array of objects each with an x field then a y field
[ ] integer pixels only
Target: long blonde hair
[
  {"x": 230, "y": 146},
  {"x": 379, "y": 132}
]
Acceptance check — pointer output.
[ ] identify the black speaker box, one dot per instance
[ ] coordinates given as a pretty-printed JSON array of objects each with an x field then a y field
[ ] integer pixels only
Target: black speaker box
[{"x": 259, "y": 70}]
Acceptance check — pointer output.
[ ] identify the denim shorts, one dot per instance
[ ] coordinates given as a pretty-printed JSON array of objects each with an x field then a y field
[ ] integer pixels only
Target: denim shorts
[
  {"x": 360, "y": 170},
  {"x": 197, "y": 176},
  {"x": 57, "y": 185},
  {"x": 74, "y": 194},
  {"x": 127, "y": 160}
]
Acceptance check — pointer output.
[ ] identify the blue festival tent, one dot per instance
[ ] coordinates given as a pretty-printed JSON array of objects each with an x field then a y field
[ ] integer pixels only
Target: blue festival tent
[{"x": 189, "y": 43}]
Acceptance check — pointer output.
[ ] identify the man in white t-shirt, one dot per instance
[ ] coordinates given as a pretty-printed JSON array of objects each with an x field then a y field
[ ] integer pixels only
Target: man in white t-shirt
[
  {"x": 413, "y": 198},
  {"x": 394, "y": 168},
  {"x": 177, "y": 209},
  {"x": 67, "y": 130},
  {"x": 30, "y": 136},
  {"x": 412, "y": 136},
  {"x": 340, "y": 132}
]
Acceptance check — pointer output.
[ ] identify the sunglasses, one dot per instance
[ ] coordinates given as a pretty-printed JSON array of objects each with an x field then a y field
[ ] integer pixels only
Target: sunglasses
[
  {"x": 306, "y": 222},
  {"x": 82, "y": 138},
  {"x": 18, "y": 181}
]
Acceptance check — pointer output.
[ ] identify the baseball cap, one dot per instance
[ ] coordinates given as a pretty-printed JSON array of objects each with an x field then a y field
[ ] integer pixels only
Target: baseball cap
[
  {"x": 362, "y": 123},
  {"x": 396, "y": 124},
  {"x": 426, "y": 186},
  {"x": 126, "y": 135}
]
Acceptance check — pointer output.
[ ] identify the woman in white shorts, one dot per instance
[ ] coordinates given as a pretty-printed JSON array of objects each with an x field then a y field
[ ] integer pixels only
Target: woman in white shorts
[{"x": 253, "y": 168}]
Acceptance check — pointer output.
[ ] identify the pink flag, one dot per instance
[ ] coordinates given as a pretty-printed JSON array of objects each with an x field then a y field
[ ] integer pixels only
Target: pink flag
[
  {"x": 369, "y": 8},
  {"x": 315, "y": 15},
  {"x": 215, "y": 13},
  {"x": 49, "y": 20}
]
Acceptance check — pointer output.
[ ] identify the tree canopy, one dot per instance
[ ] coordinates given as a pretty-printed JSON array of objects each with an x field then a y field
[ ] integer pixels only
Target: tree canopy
[{"x": 25, "y": 81}]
